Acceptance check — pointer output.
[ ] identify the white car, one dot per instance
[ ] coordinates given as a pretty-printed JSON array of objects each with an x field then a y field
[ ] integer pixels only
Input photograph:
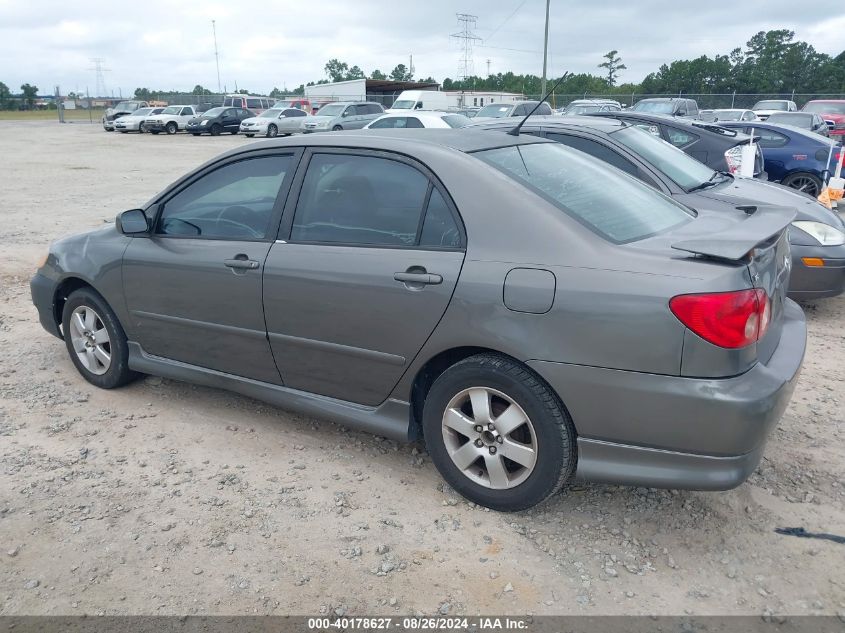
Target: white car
[
  {"x": 769, "y": 106},
  {"x": 274, "y": 122},
  {"x": 135, "y": 122},
  {"x": 419, "y": 119},
  {"x": 171, "y": 119},
  {"x": 729, "y": 114}
]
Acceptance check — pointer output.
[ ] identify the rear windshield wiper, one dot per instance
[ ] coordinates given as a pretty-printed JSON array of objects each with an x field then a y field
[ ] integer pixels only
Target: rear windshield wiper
[{"x": 709, "y": 183}]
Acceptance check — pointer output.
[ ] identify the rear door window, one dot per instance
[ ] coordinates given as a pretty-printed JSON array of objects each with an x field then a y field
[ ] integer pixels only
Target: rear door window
[
  {"x": 596, "y": 149},
  {"x": 770, "y": 138},
  {"x": 679, "y": 137}
]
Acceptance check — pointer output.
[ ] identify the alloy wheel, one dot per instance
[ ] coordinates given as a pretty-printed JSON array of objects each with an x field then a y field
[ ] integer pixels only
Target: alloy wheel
[
  {"x": 806, "y": 184},
  {"x": 489, "y": 438},
  {"x": 90, "y": 340}
]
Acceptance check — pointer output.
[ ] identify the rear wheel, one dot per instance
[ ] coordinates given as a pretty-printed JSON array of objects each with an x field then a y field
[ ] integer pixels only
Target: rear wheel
[
  {"x": 95, "y": 340},
  {"x": 141, "y": 128},
  {"x": 216, "y": 129},
  {"x": 195, "y": 133},
  {"x": 806, "y": 182},
  {"x": 498, "y": 434},
  {"x": 336, "y": 128},
  {"x": 154, "y": 131},
  {"x": 249, "y": 135},
  {"x": 272, "y": 131},
  {"x": 171, "y": 127}
]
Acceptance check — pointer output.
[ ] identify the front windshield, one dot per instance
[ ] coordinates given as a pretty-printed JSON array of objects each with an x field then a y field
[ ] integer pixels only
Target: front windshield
[
  {"x": 824, "y": 107},
  {"x": 269, "y": 114},
  {"x": 403, "y": 104},
  {"x": 142, "y": 111},
  {"x": 614, "y": 205},
  {"x": 798, "y": 119},
  {"x": 496, "y": 111},
  {"x": 208, "y": 114},
  {"x": 331, "y": 109},
  {"x": 770, "y": 105},
  {"x": 657, "y": 107},
  {"x": 728, "y": 115},
  {"x": 456, "y": 120},
  {"x": 581, "y": 109},
  {"x": 675, "y": 163},
  {"x": 172, "y": 110},
  {"x": 127, "y": 106}
]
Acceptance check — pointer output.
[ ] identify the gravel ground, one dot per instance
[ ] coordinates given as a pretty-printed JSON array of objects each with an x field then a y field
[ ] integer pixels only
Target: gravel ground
[{"x": 166, "y": 498}]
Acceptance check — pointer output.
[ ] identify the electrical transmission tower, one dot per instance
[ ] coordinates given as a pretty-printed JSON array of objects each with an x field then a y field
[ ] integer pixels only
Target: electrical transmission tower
[
  {"x": 100, "y": 88},
  {"x": 467, "y": 38}
]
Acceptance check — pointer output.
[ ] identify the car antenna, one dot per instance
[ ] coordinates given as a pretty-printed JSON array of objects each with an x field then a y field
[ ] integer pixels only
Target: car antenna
[{"x": 515, "y": 131}]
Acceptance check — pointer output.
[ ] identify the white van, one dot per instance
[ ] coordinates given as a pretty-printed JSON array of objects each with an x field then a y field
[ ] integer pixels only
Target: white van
[{"x": 422, "y": 100}]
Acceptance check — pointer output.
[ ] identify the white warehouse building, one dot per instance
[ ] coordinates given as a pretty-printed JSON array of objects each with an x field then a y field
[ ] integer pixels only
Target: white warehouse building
[{"x": 386, "y": 91}]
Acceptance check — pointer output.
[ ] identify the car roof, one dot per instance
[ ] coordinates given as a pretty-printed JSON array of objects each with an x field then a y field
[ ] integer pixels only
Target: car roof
[
  {"x": 807, "y": 134},
  {"x": 826, "y": 101},
  {"x": 437, "y": 114},
  {"x": 607, "y": 125}
]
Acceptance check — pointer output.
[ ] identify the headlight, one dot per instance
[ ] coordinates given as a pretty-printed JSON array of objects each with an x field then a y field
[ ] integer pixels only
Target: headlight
[
  {"x": 204, "y": 122},
  {"x": 824, "y": 234}
]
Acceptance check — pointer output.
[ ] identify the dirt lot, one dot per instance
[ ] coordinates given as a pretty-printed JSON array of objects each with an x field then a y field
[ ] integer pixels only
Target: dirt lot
[{"x": 167, "y": 498}]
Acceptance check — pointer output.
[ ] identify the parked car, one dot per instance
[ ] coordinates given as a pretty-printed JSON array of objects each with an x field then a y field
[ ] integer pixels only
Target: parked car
[
  {"x": 342, "y": 115},
  {"x": 135, "y": 122},
  {"x": 253, "y": 103},
  {"x": 422, "y": 100},
  {"x": 588, "y": 106},
  {"x": 171, "y": 120},
  {"x": 299, "y": 104},
  {"x": 518, "y": 108},
  {"x": 273, "y": 122},
  {"x": 671, "y": 106},
  {"x": 218, "y": 120},
  {"x": 804, "y": 120},
  {"x": 419, "y": 119},
  {"x": 468, "y": 112},
  {"x": 728, "y": 114},
  {"x": 816, "y": 235},
  {"x": 794, "y": 157},
  {"x": 120, "y": 109},
  {"x": 657, "y": 348},
  {"x": 768, "y": 106},
  {"x": 833, "y": 113},
  {"x": 714, "y": 145}
]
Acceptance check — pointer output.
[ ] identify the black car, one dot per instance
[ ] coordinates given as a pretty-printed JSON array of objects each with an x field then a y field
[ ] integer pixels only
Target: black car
[
  {"x": 218, "y": 120},
  {"x": 631, "y": 149},
  {"x": 805, "y": 120},
  {"x": 671, "y": 106},
  {"x": 717, "y": 147}
]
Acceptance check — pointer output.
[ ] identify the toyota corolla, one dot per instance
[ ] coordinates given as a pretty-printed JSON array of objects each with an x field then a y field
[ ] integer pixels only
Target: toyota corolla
[{"x": 531, "y": 315}]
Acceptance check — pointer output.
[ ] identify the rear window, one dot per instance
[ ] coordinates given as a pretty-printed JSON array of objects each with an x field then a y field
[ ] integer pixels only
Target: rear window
[
  {"x": 614, "y": 205},
  {"x": 456, "y": 120}
]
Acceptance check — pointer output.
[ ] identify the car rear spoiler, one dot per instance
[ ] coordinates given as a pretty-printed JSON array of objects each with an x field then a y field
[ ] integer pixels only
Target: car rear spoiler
[{"x": 763, "y": 223}]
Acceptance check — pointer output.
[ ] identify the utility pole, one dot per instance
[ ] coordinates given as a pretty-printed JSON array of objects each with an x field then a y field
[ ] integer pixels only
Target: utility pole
[
  {"x": 411, "y": 66},
  {"x": 488, "y": 67},
  {"x": 545, "y": 49},
  {"x": 216, "y": 55}
]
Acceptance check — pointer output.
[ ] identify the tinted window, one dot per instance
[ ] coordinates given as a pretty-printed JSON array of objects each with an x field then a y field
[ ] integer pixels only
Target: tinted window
[
  {"x": 359, "y": 200},
  {"x": 520, "y": 110},
  {"x": 456, "y": 120},
  {"x": 413, "y": 121},
  {"x": 253, "y": 103},
  {"x": 388, "y": 122},
  {"x": 544, "y": 108},
  {"x": 597, "y": 150},
  {"x": 232, "y": 202},
  {"x": 680, "y": 138},
  {"x": 439, "y": 228},
  {"x": 374, "y": 108},
  {"x": 770, "y": 138},
  {"x": 186, "y": 111},
  {"x": 614, "y": 206},
  {"x": 293, "y": 112}
]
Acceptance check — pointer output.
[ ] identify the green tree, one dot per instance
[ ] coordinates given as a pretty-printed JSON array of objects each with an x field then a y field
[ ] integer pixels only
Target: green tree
[
  {"x": 377, "y": 74},
  {"x": 143, "y": 94},
  {"x": 400, "y": 73},
  {"x": 355, "y": 73},
  {"x": 336, "y": 69},
  {"x": 613, "y": 65},
  {"x": 29, "y": 94},
  {"x": 200, "y": 90},
  {"x": 276, "y": 93},
  {"x": 5, "y": 96}
]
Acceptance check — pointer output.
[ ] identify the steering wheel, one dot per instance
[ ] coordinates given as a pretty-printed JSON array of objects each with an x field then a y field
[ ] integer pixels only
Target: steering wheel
[{"x": 244, "y": 211}]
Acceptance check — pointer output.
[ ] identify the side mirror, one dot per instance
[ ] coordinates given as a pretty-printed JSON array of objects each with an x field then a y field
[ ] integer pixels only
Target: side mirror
[
  {"x": 345, "y": 113},
  {"x": 132, "y": 222}
]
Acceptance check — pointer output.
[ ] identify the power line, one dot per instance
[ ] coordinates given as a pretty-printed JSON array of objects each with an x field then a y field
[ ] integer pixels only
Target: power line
[
  {"x": 513, "y": 13},
  {"x": 467, "y": 37}
]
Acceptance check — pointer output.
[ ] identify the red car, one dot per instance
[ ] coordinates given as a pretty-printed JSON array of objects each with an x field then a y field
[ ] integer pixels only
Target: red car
[{"x": 832, "y": 111}]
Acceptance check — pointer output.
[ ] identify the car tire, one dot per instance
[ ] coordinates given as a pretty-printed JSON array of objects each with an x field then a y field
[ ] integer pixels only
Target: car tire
[
  {"x": 272, "y": 131},
  {"x": 337, "y": 128},
  {"x": 235, "y": 132},
  {"x": 154, "y": 131},
  {"x": 805, "y": 182},
  {"x": 195, "y": 133},
  {"x": 123, "y": 131},
  {"x": 216, "y": 129},
  {"x": 95, "y": 340},
  {"x": 249, "y": 135},
  {"x": 535, "y": 428},
  {"x": 171, "y": 127}
]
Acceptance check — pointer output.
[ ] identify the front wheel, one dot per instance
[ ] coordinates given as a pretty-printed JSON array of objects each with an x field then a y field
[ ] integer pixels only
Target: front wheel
[
  {"x": 272, "y": 131},
  {"x": 336, "y": 128},
  {"x": 216, "y": 129},
  {"x": 803, "y": 181},
  {"x": 498, "y": 434},
  {"x": 249, "y": 135},
  {"x": 171, "y": 127},
  {"x": 195, "y": 133},
  {"x": 154, "y": 131},
  {"x": 95, "y": 340},
  {"x": 141, "y": 128}
]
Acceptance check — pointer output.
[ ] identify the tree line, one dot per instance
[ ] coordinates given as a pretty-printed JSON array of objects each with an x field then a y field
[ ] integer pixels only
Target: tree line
[{"x": 771, "y": 62}]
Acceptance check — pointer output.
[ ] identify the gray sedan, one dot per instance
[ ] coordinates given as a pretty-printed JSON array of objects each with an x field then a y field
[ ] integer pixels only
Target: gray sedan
[
  {"x": 273, "y": 122},
  {"x": 531, "y": 315}
]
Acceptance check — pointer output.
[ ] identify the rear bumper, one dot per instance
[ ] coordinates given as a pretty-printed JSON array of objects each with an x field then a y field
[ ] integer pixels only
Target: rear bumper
[
  {"x": 43, "y": 290},
  {"x": 673, "y": 432},
  {"x": 817, "y": 282}
]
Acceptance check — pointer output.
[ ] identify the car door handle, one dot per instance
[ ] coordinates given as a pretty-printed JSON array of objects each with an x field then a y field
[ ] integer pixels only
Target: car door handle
[
  {"x": 241, "y": 261},
  {"x": 418, "y": 278}
]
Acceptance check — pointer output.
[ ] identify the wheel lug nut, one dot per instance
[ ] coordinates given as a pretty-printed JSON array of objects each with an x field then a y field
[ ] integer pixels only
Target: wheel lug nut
[
  {"x": 478, "y": 428},
  {"x": 492, "y": 450},
  {"x": 490, "y": 427},
  {"x": 500, "y": 439},
  {"x": 479, "y": 443}
]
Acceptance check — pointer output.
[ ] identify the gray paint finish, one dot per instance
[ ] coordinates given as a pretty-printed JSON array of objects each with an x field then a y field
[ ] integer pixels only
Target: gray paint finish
[{"x": 529, "y": 290}]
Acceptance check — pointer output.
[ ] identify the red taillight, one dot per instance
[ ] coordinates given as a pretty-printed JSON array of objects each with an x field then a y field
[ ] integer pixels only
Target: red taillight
[{"x": 727, "y": 319}]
